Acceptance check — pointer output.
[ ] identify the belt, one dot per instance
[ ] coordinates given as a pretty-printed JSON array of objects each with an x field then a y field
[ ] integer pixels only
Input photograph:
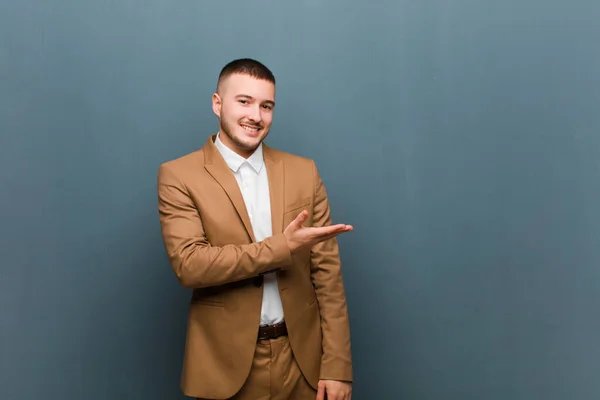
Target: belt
[{"x": 272, "y": 331}]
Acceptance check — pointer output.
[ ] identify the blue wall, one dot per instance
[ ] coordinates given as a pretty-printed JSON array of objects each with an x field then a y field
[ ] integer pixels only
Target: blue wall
[{"x": 461, "y": 138}]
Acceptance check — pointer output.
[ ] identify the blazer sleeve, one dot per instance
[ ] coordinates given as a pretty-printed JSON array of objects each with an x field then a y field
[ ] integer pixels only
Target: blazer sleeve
[
  {"x": 196, "y": 263},
  {"x": 336, "y": 363}
]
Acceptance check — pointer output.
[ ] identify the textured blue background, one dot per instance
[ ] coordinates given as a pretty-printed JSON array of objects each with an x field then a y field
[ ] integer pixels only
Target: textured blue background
[{"x": 461, "y": 138}]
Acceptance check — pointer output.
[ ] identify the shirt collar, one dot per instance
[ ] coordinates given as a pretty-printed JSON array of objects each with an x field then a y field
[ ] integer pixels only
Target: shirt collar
[{"x": 235, "y": 161}]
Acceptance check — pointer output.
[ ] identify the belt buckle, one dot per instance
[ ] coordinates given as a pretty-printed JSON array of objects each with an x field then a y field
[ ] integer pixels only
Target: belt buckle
[
  {"x": 269, "y": 331},
  {"x": 263, "y": 332}
]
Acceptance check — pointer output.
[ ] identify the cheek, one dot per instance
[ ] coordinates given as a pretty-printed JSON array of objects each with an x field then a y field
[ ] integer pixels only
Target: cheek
[
  {"x": 233, "y": 111},
  {"x": 267, "y": 117},
  {"x": 234, "y": 117}
]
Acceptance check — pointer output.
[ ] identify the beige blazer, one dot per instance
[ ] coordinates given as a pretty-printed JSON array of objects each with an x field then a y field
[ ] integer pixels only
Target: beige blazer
[{"x": 209, "y": 240}]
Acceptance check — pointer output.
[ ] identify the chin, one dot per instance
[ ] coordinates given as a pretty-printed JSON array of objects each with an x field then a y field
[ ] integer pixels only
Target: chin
[
  {"x": 246, "y": 143},
  {"x": 251, "y": 145}
]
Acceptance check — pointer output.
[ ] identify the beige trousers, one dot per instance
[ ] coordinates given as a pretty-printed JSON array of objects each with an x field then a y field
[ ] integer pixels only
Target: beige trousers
[{"x": 275, "y": 375}]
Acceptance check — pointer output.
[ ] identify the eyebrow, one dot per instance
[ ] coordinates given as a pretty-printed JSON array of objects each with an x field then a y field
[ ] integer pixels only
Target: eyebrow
[{"x": 252, "y": 98}]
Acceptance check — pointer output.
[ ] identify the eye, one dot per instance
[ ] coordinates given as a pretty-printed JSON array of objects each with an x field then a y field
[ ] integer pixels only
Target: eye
[
  {"x": 267, "y": 106},
  {"x": 243, "y": 101}
]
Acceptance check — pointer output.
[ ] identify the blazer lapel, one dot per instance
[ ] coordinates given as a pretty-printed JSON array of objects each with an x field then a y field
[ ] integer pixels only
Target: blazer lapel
[
  {"x": 276, "y": 188},
  {"x": 217, "y": 167}
]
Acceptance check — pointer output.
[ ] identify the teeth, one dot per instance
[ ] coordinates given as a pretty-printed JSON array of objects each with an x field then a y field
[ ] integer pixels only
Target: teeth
[{"x": 249, "y": 129}]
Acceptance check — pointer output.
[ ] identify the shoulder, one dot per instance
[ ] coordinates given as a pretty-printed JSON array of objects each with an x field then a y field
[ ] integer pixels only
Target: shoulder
[
  {"x": 291, "y": 161},
  {"x": 194, "y": 158},
  {"x": 179, "y": 168}
]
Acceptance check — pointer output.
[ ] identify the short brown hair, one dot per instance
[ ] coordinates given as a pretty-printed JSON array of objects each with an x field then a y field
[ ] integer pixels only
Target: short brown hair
[{"x": 246, "y": 66}]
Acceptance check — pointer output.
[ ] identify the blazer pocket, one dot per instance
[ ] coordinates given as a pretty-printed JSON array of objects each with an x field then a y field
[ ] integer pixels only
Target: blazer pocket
[
  {"x": 296, "y": 205},
  {"x": 207, "y": 297},
  {"x": 208, "y": 303}
]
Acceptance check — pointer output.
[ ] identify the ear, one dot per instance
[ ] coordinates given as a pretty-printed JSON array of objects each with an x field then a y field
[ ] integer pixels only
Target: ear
[{"x": 216, "y": 104}]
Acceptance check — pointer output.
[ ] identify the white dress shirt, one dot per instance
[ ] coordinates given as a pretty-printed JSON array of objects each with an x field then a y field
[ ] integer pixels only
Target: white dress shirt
[{"x": 251, "y": 176}]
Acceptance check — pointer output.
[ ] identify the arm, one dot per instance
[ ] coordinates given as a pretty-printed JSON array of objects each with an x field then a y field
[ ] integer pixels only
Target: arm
[
  {"x": 336, "y": 363},
  {"x": 195, "y": 262}
]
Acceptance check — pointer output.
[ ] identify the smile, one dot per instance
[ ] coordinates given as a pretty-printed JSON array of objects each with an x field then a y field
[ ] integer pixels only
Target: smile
[{"x": 250, "y": 128}]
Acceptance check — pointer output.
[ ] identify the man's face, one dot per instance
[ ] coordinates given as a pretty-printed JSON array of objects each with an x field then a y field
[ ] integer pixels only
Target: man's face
[{"x": 244, "y": 106}]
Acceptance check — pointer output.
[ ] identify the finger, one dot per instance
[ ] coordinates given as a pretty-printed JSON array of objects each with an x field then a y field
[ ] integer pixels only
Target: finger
[
  {"x": 324, "y": 234},
  {"x": 328, "y": 230},
  {"x": 328, "y": 237},
  {"x": 321, "y": 393},
  {"x": 322, "y": 239}
]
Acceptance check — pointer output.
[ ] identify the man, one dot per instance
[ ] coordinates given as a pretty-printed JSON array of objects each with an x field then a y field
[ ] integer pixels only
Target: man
[{"x": 248, "y": 228}]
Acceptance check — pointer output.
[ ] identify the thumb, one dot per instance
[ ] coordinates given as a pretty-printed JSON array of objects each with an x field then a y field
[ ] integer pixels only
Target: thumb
[{"x": 300, "y": 219}]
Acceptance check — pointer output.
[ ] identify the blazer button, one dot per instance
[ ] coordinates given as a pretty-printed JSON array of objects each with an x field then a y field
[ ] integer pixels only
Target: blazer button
[{"x": 258, "y": 281}]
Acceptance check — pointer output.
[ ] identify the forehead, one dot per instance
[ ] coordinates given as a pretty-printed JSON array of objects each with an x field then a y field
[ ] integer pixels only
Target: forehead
[{"x": 242, "y": 84}]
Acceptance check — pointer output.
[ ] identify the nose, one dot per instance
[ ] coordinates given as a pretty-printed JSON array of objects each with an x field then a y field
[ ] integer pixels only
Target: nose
[{"x": 254, "y": 114}]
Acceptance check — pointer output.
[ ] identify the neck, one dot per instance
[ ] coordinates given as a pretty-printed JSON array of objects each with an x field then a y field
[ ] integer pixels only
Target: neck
[{"x": 233, "y": 147}]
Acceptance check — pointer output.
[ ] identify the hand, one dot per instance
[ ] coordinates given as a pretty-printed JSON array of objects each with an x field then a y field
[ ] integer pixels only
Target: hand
[
  {"x": 299, "y": 237},
  {"x": 335, "y": 390}
]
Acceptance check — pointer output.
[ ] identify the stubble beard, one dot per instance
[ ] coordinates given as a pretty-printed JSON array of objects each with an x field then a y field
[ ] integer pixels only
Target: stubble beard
[{"x": 226, "y": 129}]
